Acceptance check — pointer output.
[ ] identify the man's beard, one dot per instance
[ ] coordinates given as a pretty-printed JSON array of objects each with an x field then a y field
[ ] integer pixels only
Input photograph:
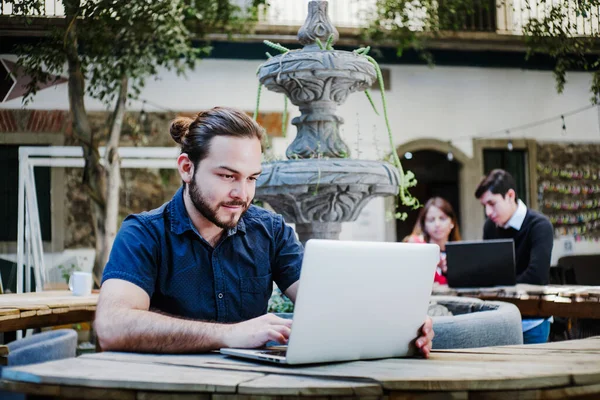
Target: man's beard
[{"x": 209, "y": 213}]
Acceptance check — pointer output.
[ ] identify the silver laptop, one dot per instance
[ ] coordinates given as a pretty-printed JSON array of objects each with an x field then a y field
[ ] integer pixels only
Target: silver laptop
[{"x": 355, "y": 301}]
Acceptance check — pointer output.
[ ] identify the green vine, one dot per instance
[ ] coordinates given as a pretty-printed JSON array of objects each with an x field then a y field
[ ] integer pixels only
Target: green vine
[
  {"x": 363, "y": 51},
  {"x": 319, "y": 43},
  {"x": 368, "y": 94},
  {"x": 257, "y": 101},
  {"x": 284, "y": 116},
  {"x": 282, "y": 50},
  {"x": 276, "y": 46},
  {"x": 406, "y": 180},
  {"x": 259, "y": 90},
  {"x": 329, "y": 44}
]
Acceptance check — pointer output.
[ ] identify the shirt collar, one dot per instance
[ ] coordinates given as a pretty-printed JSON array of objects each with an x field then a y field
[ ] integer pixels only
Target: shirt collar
[
  {"x": 240, "y": 227},
  {"x": 181, "y": 222},
  {"x": 516, "y": 221}
]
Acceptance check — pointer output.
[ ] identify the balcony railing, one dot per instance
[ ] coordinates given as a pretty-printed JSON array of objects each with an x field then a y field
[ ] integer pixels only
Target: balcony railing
[
  {"x": 52, "y": 8},
  {"x": 499, "y": 16}
]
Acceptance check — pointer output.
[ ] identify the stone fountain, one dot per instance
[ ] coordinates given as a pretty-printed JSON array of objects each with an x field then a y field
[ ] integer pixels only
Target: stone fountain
[{"x": 319, "y": 186}]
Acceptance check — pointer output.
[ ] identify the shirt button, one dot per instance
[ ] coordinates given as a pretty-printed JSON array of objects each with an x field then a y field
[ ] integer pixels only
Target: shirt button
[{"x": 220, "y": 295}]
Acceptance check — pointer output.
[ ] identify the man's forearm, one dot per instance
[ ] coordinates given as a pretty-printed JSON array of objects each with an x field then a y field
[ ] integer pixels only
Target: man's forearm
[{"x": 122, "y": 329}]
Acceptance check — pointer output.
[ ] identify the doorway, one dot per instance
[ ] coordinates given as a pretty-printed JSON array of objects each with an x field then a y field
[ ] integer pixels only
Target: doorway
[{"x": 436, "y": 176}]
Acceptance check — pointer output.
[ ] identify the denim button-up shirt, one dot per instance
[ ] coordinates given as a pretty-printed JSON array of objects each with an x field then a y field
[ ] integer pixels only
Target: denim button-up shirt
[{"x": 162, "y": 252}]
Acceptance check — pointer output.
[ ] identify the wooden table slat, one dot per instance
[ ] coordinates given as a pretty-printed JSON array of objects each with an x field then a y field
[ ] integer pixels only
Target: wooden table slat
[
  {"x": 282, "y": 385},
  {"x": 42, "y": 309},
  {"x": 570, "y": 301},
  {"x": 131, "y": 376}
]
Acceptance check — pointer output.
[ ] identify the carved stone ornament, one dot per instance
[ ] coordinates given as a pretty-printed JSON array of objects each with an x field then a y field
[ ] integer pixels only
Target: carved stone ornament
[
  {"x": 317, "y": 25},
  {"x": 309, "y": 76},
  {"x": 317, "y": 190}
]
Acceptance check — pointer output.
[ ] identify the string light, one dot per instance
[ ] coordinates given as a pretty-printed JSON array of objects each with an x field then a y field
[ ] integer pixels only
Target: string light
[
  {"x": 564, "y": 126},
  {"x": 154, "y": 105},
  {"x": 450, "y": 156},
  {"x": 509, "y": 145},
  {"x": 408, "y": 155},
  {"x": 528, "y": 125},
  {"x": 143, "y": 115}
]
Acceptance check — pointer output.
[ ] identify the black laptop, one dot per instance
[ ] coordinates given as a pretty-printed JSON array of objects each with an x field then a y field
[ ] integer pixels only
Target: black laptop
[{"x": 482, "y": 263}]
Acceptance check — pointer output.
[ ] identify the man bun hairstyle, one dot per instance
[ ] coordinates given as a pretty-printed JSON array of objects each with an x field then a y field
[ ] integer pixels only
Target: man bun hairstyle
[
  {"x": 179, "y": 128},
  {"x": 498, "y": 181},
  {"x": 195, "y": 135}
]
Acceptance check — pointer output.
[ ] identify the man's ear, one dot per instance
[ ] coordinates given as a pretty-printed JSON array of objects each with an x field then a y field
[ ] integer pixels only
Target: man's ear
[
  {"x": 185, "y": 166},
  {"x": 511, "y": 195}
]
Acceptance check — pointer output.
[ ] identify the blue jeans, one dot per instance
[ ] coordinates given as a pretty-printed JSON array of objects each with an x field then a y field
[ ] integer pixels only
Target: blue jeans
[{"x": 538, "y": 334}]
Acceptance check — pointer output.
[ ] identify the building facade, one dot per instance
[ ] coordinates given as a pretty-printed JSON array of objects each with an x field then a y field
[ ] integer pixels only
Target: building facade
[{"x": 481, "y": 106}]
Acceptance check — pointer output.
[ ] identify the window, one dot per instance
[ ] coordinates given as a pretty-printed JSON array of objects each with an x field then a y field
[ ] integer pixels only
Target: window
[
  {"x": 514, "y": 162},
  {"x": 9, "y": 195}
]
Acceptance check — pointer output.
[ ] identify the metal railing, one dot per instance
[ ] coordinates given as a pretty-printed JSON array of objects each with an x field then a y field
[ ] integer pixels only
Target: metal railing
[
  {"x": 500, "y": 16},
  {"x": 520, "y": 12},
  {"x": 52, "y": 8},
  {"x": 343, "y": 13}
]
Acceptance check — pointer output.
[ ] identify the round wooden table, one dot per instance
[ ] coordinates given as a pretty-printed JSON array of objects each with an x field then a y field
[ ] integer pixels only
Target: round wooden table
[{"x": 569, "y": 369}]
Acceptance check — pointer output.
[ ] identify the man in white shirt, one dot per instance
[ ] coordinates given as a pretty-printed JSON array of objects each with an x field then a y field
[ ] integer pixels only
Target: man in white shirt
[{"x": 532, "y": 232}]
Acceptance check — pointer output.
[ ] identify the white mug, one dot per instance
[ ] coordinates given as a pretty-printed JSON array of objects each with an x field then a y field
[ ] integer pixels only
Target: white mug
[{"x": 80, "y": 283}]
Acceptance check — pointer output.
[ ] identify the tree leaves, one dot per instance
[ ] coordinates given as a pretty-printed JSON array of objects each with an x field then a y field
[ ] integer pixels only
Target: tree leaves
[
  {"x": 565, "y": 30},
  {"x": 557, "y": 33},
  {"x": 135, "y": 38}
]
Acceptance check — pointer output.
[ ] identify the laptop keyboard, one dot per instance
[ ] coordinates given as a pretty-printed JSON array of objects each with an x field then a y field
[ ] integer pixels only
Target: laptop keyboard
[{"x": 280, "y": 353}]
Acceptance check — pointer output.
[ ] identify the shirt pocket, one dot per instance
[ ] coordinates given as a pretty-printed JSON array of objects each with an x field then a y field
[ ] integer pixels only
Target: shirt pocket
[{"x": 256, "y": 292}]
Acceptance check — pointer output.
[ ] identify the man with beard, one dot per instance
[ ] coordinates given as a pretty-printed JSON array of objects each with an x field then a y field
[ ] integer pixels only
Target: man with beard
[{"x": 196, "y": 274}]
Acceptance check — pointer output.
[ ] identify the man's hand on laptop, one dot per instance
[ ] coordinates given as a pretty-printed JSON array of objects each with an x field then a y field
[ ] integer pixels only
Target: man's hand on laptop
[
  {"x": 258, "y": 331},
  {"x": 424, "y": 341}
]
